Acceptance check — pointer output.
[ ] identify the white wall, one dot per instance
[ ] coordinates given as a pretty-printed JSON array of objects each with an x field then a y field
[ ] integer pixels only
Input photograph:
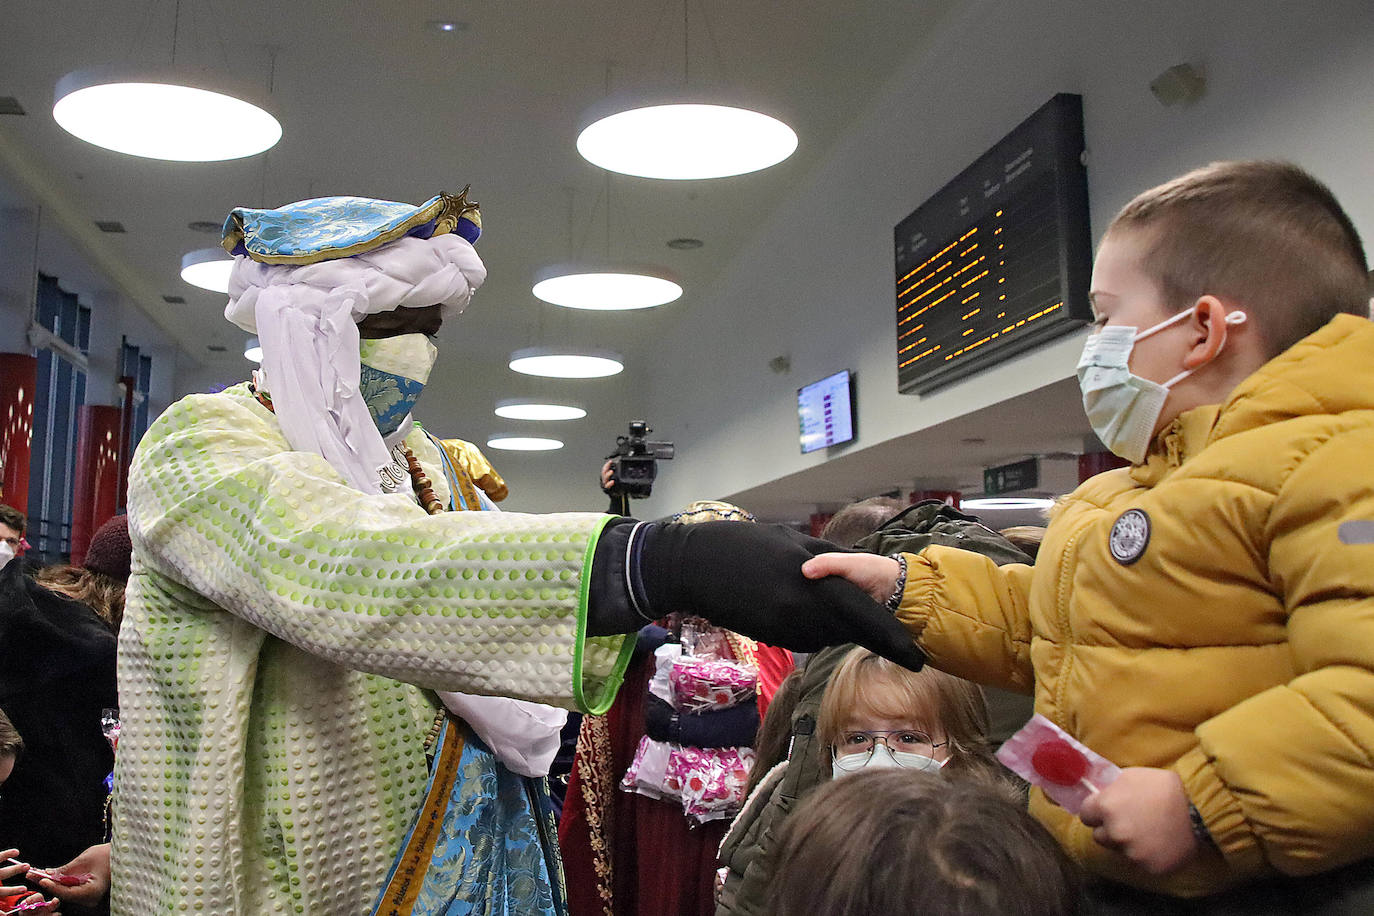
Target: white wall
[{"x": 1287, "y": 80}]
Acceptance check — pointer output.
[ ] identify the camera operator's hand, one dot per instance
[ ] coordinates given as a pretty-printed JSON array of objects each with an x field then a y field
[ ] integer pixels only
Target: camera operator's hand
[
  {"x": 607, "y": 476},
  {"x": 748, "y": 578}
]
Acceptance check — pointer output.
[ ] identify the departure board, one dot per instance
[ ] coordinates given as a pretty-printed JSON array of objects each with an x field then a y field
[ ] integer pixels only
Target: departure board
[{"x": 998, "y": 261}]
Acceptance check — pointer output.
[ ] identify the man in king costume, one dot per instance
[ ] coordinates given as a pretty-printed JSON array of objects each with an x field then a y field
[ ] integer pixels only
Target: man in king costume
[{"x": 317, "y": 651}]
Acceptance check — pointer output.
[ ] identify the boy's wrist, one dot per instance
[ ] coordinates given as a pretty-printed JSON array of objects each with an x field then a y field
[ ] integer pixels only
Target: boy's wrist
[
  {"x": 1200, "y": 831},
  {"x": 895, "y": 599}
]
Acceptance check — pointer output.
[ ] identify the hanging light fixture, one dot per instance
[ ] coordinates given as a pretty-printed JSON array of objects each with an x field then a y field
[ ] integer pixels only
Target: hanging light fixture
[
  {"x": 606, "y": 287},
  {"x": 207, "y": 268},
  {"x": 682, "y": 137},
  {"x": 523, "y": 443},
  {"x": 566, "y": 362},
  {"x": 683, "y": 134},
  {"x": 252, "y": 350},
  {"x": 994, "y": 503},
  {"x": 527, "y": 409},
  {"x": 163, "y": 115}
]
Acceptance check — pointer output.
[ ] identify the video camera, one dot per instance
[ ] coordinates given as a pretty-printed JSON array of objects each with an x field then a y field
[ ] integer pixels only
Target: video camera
[{"x": 635, "y": 462}]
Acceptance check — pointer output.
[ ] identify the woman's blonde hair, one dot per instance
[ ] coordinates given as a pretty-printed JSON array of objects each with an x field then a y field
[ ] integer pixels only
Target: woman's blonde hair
[{"x": 868, "y": 684}]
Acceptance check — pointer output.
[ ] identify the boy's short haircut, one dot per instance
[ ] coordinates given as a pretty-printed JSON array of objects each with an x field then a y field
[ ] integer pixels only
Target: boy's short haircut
[
  {"x": 900, "y": 841},
  {"x": 870, "y": 684},
  {"x": 1266, "y": 237},
  {"x": 13, "y": 518},
  {"x": 10, "y": 743}
]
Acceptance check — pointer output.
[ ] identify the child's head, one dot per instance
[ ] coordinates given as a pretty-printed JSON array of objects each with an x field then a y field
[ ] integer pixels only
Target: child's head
[
  {"x": 877, "y": 713},
  {"x": 896, "y": 841},
  {"x": 10, "y": 747},
  {"x": 1265, "y": 239}
]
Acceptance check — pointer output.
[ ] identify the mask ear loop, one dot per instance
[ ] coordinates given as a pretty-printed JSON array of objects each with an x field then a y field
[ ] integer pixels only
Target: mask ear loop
[{"x": 1213, "y": 349}]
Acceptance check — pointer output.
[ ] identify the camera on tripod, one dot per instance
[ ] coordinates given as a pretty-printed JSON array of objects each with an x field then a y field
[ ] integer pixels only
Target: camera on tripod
[{"x": 634, "y": 463}]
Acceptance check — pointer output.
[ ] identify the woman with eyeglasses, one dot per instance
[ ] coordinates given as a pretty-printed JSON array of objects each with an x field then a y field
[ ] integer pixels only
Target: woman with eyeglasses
[{"x": 877, "y": 714}]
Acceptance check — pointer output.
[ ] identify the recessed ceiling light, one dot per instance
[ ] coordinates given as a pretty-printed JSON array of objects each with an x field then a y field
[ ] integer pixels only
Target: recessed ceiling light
[
  {"x": 685, "y": 244},
  {"x": 207, "y": 268},
  {"x": 161, "y": 116},
  {"x": 1006, "y": 502},
  {"x": 446, "y": 26},
  {"x": 682, "y": 141},
  {"x": 252, "y": 350},
  {"x": 523, "y": 443},
  {"x": 606, "y": 287},
  {"x": 563, "y": 362},
  {"x": 524, "y": 409}
]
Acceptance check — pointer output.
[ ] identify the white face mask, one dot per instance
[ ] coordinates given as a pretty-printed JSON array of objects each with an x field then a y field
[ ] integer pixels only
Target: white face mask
[
  {"x": 879, "y": 759},
  {"x": 393, "y": 374},
  {"x": 1122, "y": 407},
  {"x": 6, "y": 554}
]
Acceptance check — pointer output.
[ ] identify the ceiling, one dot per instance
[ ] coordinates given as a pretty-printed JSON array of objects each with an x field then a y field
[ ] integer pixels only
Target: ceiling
[{"x": 374, "y": 103}]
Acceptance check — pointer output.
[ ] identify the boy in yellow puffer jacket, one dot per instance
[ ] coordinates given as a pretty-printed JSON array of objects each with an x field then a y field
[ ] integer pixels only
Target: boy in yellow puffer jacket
[{"x": 1205, "y": 617}]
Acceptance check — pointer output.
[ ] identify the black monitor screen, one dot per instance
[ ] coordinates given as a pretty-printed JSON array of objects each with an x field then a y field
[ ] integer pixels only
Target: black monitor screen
[
  {"x": 825, "y": 410},
  {"x": 998, "y": 261}
]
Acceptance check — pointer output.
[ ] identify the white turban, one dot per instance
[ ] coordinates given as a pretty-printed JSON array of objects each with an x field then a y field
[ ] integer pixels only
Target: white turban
[{"x": 306, "y": 320}]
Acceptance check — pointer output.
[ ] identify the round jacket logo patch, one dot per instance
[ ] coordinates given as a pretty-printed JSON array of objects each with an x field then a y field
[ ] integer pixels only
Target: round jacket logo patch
[{"x": 1130, "y": 536}]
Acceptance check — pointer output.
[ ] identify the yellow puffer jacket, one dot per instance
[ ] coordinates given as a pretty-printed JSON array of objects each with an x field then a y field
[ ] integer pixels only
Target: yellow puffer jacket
[{"x": 1209, "y": 611}]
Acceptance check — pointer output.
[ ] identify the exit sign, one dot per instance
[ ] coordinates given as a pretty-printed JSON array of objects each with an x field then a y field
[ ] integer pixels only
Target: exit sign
[{"x": 1011, "y": 478}]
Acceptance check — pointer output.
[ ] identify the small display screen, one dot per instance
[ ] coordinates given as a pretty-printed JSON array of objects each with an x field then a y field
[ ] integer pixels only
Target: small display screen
[
  {"x": 997, "y": 262},
  {"x": 825, "y": 410}
]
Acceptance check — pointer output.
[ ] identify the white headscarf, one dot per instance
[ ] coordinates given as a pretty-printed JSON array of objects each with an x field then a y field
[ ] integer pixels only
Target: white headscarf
[{"x": 306, "y": 320}]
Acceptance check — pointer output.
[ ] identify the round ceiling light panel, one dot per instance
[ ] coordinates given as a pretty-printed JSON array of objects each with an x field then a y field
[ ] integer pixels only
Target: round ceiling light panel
[{"x": 162, "y": 116}]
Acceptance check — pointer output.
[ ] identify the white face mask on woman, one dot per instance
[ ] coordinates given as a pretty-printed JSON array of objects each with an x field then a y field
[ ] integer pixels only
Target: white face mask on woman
[
  {"x": 880, "y": 758},
  {"x": 1122, "y": 407}
]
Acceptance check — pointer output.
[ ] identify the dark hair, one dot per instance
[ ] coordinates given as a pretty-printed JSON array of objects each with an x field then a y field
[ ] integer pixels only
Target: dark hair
[
  {"x": 1267, "y": 236},
  {"x": 14, "y": 518},
  {"x": 775, "y": 731},
  {"x": 11, "y": 745},
  {"x": 857, "y": 521},
  {"x": 899, "y": 841}
]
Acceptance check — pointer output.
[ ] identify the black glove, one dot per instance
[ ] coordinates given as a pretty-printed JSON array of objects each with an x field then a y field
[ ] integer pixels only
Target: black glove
[
  {"x": 734, "y": 726},
  {"x": 747, "y": 578}
]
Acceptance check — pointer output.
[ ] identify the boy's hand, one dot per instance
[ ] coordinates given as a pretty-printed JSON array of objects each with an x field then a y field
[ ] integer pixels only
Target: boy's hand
[
  {"x": 875, "y": 574},
  {"x": 1143, "y": 815}
]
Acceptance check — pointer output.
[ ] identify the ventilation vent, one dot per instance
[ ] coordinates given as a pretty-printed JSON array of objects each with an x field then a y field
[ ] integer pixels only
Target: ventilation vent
[
  {"x": 217, "y": 348},
  {"x": 9, "y": 105},
  {"x": 205, "y": 225},
  {"x": 109, "y": 225},
  {"x": 174, "y": 300}
]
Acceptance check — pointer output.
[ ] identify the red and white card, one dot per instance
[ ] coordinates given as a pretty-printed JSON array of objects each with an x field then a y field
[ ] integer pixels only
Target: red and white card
[{"x": 1066, "y": 770}]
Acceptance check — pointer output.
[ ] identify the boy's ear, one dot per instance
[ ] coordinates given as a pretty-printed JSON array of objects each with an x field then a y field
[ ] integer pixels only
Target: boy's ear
[{"x": 1209, "y": 321}]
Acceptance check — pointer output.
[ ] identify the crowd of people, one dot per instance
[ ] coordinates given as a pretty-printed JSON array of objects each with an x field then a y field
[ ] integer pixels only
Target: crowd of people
[{"x": 341, "y": 676}]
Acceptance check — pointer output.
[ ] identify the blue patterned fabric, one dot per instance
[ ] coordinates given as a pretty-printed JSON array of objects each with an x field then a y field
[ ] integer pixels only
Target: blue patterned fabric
[
  {"x": 339, "y": 227},
  {"x": 490, "y": 858},
  {"x": 390, "y": 397}
]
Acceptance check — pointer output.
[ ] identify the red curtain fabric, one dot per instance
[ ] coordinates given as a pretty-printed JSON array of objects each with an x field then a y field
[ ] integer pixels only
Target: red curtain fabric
[
  {"x": 18, "y": 378},
  {"x": 96, "y": 488}
]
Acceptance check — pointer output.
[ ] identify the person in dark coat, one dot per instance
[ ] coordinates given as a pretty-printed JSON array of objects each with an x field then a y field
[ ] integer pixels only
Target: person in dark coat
[{"x": 57, "y": 673}]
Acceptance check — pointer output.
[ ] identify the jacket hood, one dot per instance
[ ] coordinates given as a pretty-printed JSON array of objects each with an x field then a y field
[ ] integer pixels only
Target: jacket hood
[{"x": 1315, "y": 376}]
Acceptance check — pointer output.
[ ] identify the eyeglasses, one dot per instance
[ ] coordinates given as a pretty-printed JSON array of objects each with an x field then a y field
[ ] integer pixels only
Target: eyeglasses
[{"x": 908, "y": 740}]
